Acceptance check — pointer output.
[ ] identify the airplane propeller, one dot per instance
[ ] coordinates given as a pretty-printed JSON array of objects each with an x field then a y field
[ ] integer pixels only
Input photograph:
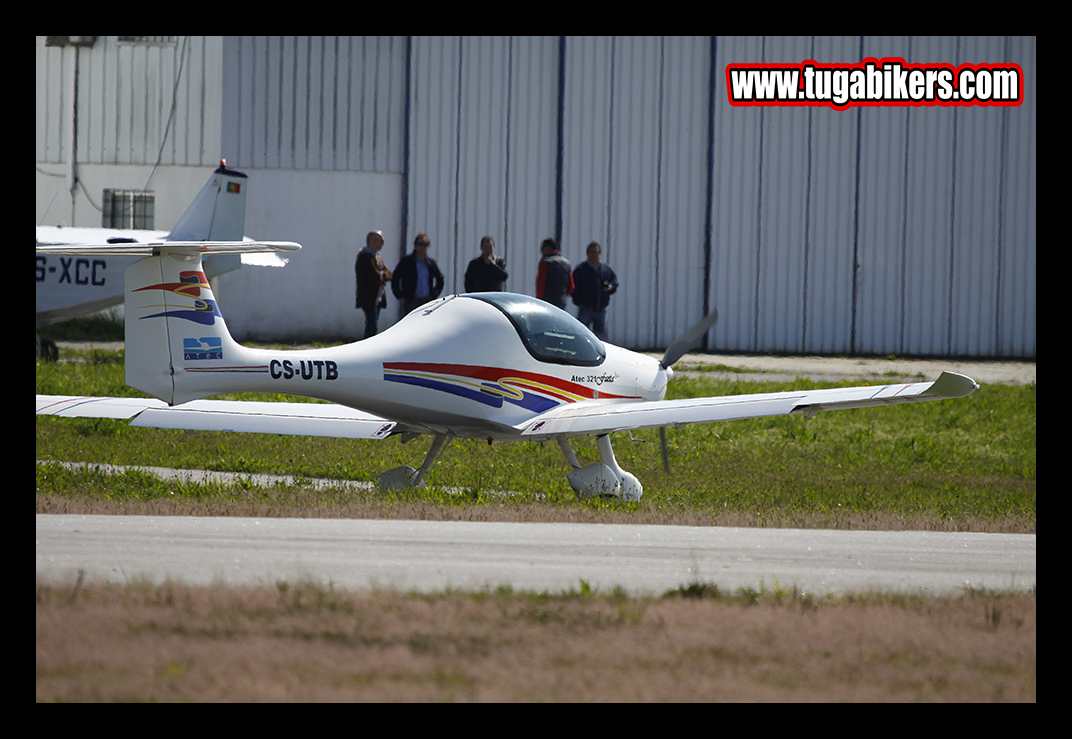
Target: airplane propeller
[
  {"x": 676, "y": 351},
  {"x": 688, "y": 340}
]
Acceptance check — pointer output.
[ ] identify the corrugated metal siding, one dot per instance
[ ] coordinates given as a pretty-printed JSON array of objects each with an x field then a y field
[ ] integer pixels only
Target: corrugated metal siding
[
  {"x": 906, "y": 248},
  {"x": 1016, "y": 320},
  {"x": 737, "y": 159},
  {"x": 781, "y": 218},
  {"x": 880, "y": 271},
  {"x": 434, "y": 142},
  {"x": 658, "y": 182},
  {"x": 976, "y": 243},
  {"x": 592, "y": 146},
  {"x": 137, "y": 103},
  {"x": 636, "y": 190},
  {"x": 929, "y": 216},
  {"x": 482, "y": 151},
  {"x": 533, "y": 142},
  {"x": 832, "y": 218},
  {"x": 875, "y": 230},
  {"x": 611, "y": 184},
  {"x": 52, "y": 103},
  {"x": 683, "y": 200},
  {"x": 628, "y": 178},
  {"x": 940, "y": 288},
  {"x": 315, "y": 102}
]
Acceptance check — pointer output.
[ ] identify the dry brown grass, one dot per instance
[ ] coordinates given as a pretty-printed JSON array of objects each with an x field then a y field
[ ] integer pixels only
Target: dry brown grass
[{"x": 170, "y": 642}]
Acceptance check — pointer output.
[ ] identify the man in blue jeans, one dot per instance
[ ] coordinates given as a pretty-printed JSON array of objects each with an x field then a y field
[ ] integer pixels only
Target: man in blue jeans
[{"x": 593, "y": 284}]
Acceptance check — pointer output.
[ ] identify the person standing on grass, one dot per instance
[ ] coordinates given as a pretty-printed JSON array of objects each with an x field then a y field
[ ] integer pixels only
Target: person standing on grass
[
  {"x": 371, "y": 275},
  {"x": 554, "y": 280},
  {"x": 594, "y": 282},
  {"x": 417, "y": 279}
]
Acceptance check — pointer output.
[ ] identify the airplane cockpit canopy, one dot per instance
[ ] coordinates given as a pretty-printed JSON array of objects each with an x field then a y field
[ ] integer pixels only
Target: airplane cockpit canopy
[{"x": 550, "y": 334}]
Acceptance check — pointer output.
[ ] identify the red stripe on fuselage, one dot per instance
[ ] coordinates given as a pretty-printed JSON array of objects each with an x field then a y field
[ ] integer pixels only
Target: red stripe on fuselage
[{"x": 495, "y": 374}]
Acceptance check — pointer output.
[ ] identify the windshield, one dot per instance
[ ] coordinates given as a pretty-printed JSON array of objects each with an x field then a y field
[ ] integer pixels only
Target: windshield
[{"x": 549, "y": 333}]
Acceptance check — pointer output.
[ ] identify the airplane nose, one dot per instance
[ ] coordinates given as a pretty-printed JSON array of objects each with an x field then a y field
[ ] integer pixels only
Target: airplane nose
[{"x": 659, "y": 383}]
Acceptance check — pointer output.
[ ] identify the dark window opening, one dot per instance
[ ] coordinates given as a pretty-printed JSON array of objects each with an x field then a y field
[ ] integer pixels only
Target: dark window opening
[{"x": 128, "y": 209}]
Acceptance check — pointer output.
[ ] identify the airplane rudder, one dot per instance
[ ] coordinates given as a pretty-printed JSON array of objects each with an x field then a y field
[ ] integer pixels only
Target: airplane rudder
[
  {"x": 147, "y": 349},
  {"x": 218, "y": 212},
  {"x": 229, "y": 221},
  {"x": 173, "y": 323}
]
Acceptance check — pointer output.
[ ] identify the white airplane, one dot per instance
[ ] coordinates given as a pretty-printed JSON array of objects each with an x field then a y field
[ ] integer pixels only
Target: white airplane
[
  {"x": 495, "y": 366},
  {"x": 69, "y": 286}
]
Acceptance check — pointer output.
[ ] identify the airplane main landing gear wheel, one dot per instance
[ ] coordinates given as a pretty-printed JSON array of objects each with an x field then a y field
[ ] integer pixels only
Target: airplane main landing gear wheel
[
  {"x": 399, "y": 478},
  {"x": 601, "y": 478}
]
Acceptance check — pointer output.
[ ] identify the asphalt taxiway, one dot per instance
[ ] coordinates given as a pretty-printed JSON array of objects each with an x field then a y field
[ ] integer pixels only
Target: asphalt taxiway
[{"x": 555, "y": 557}]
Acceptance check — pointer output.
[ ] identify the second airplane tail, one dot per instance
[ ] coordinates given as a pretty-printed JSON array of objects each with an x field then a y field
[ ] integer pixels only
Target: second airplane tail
[{"x": 218, "y": 213}]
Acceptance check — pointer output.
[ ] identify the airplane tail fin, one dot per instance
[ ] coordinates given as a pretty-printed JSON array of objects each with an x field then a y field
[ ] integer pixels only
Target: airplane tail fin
[
  {"x": 174, "y": 326},
  {"x": 218, "y": 213},
  {"x": 167, "y": 301},
  {"x": 172, "y": 319}
]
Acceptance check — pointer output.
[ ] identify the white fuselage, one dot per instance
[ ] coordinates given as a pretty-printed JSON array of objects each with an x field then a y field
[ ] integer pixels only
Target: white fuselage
[{"x": 457, "y": 366}]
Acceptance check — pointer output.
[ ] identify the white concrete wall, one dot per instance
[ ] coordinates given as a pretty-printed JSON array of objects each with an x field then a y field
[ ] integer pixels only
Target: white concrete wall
[
  {"x": 328, "y": 213},
  {"x": 174, "y": 189}
]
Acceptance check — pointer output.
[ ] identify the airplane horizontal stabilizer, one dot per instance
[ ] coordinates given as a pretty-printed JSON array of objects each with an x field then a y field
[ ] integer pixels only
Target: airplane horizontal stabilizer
[{"x": 187, "y": 248}]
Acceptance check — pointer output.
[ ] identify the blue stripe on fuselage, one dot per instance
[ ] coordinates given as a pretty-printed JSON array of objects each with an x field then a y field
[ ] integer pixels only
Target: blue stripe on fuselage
[{"x": 529, "y": 401}]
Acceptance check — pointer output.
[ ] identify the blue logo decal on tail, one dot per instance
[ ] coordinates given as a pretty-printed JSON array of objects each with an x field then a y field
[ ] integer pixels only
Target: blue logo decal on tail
[{"x": 208, "y": 347}]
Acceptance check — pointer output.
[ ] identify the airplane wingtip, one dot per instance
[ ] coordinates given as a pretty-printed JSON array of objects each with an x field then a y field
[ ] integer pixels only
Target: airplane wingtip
[{"x": 953, "y": 385}]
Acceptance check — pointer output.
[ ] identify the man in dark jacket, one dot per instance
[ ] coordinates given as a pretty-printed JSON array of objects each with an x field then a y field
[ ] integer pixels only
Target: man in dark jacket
[
  {"x": 554, "y": 280},
  {"x": 486, "y": 273},
  {"x": 417, "y": 279},
  {"x": 594, "y": 283},
  {"x": 371, "y": 274}
]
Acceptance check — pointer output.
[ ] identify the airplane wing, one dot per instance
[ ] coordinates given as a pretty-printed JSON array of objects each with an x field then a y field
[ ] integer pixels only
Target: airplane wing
[
  {"x": 575, "y": 419},
  {"x": 134, "y": 249},
  {"x": 293, "y": 419},
  {"x": 98, "y": 238},
  {"x": 602, "y": 417}
]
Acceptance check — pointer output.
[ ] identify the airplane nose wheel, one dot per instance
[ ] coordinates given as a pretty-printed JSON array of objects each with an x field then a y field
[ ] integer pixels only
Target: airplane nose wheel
[{"x": 606, "y": 478}]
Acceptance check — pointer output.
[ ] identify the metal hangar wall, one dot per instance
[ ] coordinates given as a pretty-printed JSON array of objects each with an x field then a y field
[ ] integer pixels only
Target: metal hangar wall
[{"x": 875, "y": 230}]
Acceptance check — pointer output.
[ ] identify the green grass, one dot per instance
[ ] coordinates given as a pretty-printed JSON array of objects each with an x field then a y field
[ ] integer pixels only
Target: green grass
[
  {"x": 723, "y": 369},
  {"x": 103, "y": 326},
  {"x": 967, "y": 463}
]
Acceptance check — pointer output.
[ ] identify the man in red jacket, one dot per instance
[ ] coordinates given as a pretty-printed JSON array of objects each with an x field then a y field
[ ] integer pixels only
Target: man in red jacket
[{"x": 554, "y": 280}]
